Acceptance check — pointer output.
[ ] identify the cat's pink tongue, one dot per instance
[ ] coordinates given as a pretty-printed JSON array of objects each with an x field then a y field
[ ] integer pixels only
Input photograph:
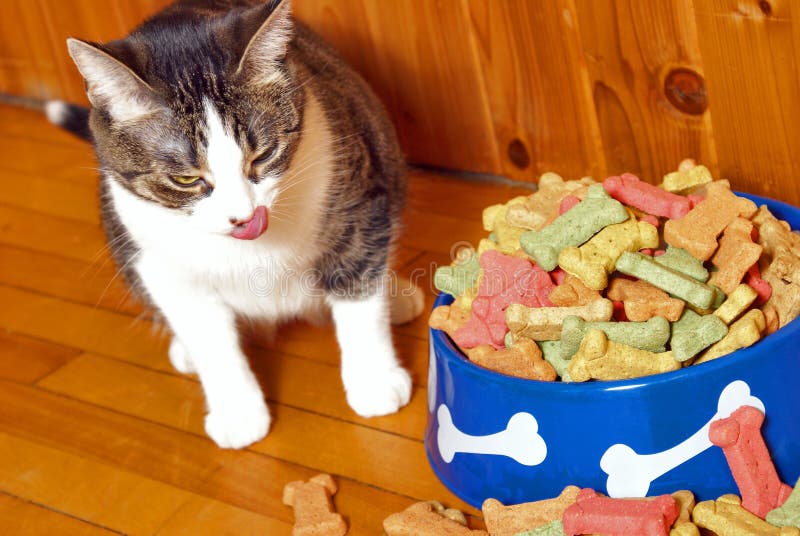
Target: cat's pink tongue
[{"x": 254, "y": 227}]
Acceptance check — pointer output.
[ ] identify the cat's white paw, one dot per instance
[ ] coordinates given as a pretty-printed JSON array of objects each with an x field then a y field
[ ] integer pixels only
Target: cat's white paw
[
  {"x": 407, "y": 304},
  {"x": 179, "y": 357},
  {"x": 371, "y": 394},
  {"x": 239, "y": 423}
]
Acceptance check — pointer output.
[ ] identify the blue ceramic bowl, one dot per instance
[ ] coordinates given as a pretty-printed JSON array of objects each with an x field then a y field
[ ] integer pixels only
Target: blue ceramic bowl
[{"x": 517, "y": 440}]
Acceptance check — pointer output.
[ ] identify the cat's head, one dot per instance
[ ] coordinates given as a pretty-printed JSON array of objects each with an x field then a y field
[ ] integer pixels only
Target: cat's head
[{"x": 198, "y": 111}]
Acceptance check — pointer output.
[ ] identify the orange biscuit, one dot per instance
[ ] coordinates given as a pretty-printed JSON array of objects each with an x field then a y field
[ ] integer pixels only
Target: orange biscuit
[
  {"x": 313, "y": 509},
  {"x": 422, "y": 519},
  {"x": 736, "y": 254},
  {"x": 509, "y": 520},
  {"x": 643, "y": 301},
  {"x": 523, "y": 360},
  {"x": 572, "y": 292}
]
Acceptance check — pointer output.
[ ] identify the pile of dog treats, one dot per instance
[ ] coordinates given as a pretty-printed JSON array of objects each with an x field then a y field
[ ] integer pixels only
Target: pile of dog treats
[
  {"x": 767, "y": 506},
  {"x": 620, "y": 279}
]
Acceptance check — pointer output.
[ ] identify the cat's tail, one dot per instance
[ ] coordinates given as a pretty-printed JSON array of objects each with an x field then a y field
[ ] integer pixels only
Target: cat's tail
[{"x": 71, "y": 117}]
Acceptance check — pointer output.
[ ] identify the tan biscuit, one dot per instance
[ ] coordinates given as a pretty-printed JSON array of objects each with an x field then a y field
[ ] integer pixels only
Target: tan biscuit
[
  {"x": 541, "y": 208},
  {"x": 313, "y": 509},
  {"x": 684, "y": 528},
  {"x": 594, "y": 260},
  {"x": 643, "y": 301},
  {"x": 736, "y": 254},
  {"x": 523, "y": 360},
  {"x": 448, "y": 318},
  {"x": 726, "y": 517},
  {"x": 601, "y": 359},
  {"x": 737, "y": 303},
  {"x": 544, "y": 323},
  {"x": 506, "y": 234},
  {"x": 686, "y": 179},
  {"x": 422, "y": 519},
  {"x": 509, "y": 520},
  {"x": 697, "y": 231},
  {"x": 450, "y": 513},
  {"x": 780, "y": 268},
  {"x": 741, "y": 334},
  {"x": 686, "y": 502},
  {"x": 572, "y": 292}
]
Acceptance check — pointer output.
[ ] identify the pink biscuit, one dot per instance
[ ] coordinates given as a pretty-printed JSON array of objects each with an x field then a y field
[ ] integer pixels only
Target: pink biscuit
[
  {"x": 740, "y": 438},
  {"x": 630, "y": 190},
  {"x": 762, "y": 288},
  {"x": 505, "y": 280},
  {"x": 567, "y": 203},
  {"x": 649, "y": 218},
  {"x": 594, "y": 514}
]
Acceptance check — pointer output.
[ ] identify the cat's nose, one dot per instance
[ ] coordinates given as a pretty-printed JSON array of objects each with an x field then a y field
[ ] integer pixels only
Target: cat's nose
[{"x": 252, "y": 227}]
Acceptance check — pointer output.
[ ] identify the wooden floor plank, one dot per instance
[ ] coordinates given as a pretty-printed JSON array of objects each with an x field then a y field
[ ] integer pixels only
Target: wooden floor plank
[
  {"x": 60, "y": 162},
  {"x": 207, "y": 516},
  {"x": 102, "y": 493},
  {"x": 22, "y": 518},
  {"x": 44, "y": 194},
  {"x": 26, "y": 360}
]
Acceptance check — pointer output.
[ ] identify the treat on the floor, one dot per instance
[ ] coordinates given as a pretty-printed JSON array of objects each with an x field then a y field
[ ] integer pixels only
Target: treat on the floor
[
  {"x": 642, "y": 301},
  {"x": 314, "y": 514},
  {"x": 523, "y": 360},
  {"x": 682, "y": 261},
  {"x": 509, "y": 520},
  {"x": 787, "y": 514},
  {"x": 458, "y": 277},
  {"x": 694, "y": 333},
  {"x": 651, "y": 199},
  {"x": 727, "y": 517},
  {"x": 676, "y": 283},
  {"x": 601, "y": 359},
  {"x": 572, "y": 292},
  {"x": 736, "y": 254},
  {"x": 542, "y": 207},
  {"x": 686, "y": 178},
  {"x": 593, "y": 513},
  {"x": 505, "y": 280},
  {"x": 737, "y": 302},
  {"x": 574, "y": 227},
  {"x": 651, "y": 335},
  {"x": 743, "y": 333},
  {"x": 422, "y": 519},
  {"x": 740, "y": 438},
  {"x": 594, "y": 261},
  {"x": 544, "y": 323},
  {"x": 697, "y": 232}
]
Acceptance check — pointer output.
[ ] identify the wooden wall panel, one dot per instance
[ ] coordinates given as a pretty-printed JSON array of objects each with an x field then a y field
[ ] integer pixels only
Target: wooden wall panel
[
  {"x": 751, "y": 52},
  {"x": 518, "y": 87},
  {"x": 630, "y": 47}
]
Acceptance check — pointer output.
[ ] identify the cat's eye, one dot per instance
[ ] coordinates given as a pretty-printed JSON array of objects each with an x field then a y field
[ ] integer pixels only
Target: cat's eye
[
  {"x": 266, "y": 156},
  {"x": 185, "y": 180}
]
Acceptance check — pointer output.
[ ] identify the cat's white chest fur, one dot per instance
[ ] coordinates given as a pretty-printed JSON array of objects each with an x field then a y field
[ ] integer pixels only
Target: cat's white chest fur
[{"x": 271, "y": 277}]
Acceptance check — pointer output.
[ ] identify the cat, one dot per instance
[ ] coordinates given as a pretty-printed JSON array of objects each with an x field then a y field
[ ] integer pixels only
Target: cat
[{"x": 247, "y": 171}]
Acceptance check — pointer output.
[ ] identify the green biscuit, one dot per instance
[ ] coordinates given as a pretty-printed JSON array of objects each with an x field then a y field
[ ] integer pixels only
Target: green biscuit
[
  {"x": 554, "y": 528},
  {"x": 455, "y": 280},
  {"x": 693, "y": 333},
  {"x": 551, "y": 351},
  {"x": 682, "y": 261},
  {"x": 493, "y": 237},
  {"x": 787, "y": 515},
  {"x": 651, "y": 335},
  {"x": 508, "y": 340},
  {"x": 675, "y": 283},
  {"x": 574, "y": 227}
]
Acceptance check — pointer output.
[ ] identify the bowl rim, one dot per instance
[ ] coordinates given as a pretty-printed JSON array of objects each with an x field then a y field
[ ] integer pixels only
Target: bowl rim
[{"x": 440, "y": 340}]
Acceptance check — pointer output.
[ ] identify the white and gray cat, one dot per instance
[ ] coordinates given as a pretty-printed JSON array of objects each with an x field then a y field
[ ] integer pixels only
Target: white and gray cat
[{"x": 247, "y": 171}]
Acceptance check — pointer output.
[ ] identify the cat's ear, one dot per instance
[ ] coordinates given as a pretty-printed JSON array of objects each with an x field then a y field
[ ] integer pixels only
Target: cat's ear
[
  {"x": 111, "y": 85},
  {"x": 270, "y": 42}
]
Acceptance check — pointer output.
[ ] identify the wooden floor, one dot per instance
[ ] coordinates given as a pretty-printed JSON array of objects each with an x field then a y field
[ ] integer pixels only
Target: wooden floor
[{"x": 99, "y": 435}]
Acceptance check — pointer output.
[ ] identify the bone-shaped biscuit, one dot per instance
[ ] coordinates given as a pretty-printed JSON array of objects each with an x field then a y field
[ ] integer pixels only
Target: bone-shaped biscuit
[
  {"x": 727, "y": 517},
  {"x": 684, "y": 528},
  {"x": 685, "y": 501},
  {"x": 630, "y": 473},
  {"x": 697, "y": 232},
  {"x": 682, "y": 261},
  {"x": 574, "y": 227},
  {"x": 544, "y": 323},
  {"x": 594, "y": 514},
  {"x": 643, "y": 301},
  {"x": 573, "y": 292},
  {"x": 505, "y": 235},
  {"x": 509, "y": 520},
  {"x": 594, "y": 260},
  {"x": 313, "y": 509},
  {"x": 458, "y": 277},
  {"x": 736, "y": 254},
  {"x": 523, "y": 360},
  {"x": 542, "y": 207},
  {"x": 736, "y": 303},
  {"x": 554, "y": 528},
  {"x": 788, "y": 514},
  {"x": 684, "y": 180},
  {"x": 740, "y": 438},
  {"x": 520, "y": 441},
  {"x": 743, "y": 333},
  {"x": 632, "y": 191},
  {"x": 694, "y": 333},
  {"x": 782, "y": 271},
  {"x": 651, "y": 335},
  {"x": 422, "y": 519},
  {"x": 601, "y": 359}
]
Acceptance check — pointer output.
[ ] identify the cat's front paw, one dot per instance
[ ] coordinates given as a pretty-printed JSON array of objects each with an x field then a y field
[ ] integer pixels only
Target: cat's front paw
[
  {"x": 371, "y": 393},
  {"x": 179, "y": 357},
  {"x": 237, "y": 425}
]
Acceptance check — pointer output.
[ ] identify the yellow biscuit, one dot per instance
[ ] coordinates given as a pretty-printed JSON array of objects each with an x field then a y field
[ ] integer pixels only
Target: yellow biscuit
[
  {"x": 736, "y": 303},
  {"x": 685, "y": 500},
  {"x": 686, "y": 179},
  {"x": 506, "y": 234},
  {"x": 538, "y": 210},
  {"x": 741, "y": 334},
  {"x": 726, "y": 517},
  {"x": 544, "y": 323},
  {"x": 684, "y": 528},
  {"x": 601, "y": 359}
]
